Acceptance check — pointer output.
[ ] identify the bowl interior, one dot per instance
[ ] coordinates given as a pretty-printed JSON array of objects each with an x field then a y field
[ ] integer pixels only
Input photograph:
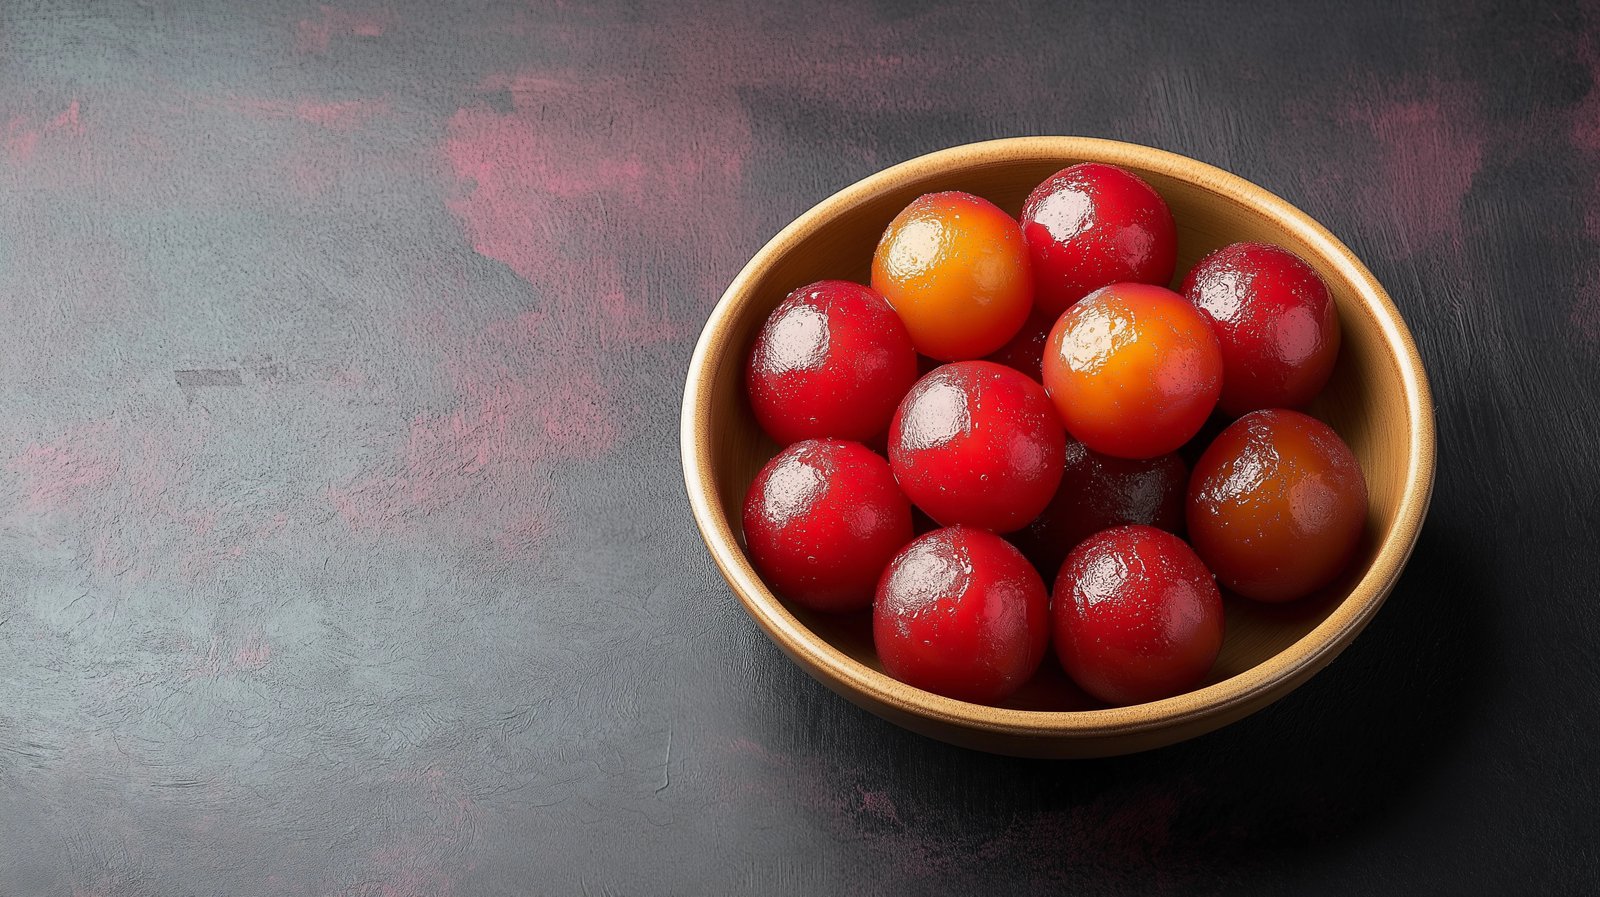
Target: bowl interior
[{"x": 1366, "y": 401}]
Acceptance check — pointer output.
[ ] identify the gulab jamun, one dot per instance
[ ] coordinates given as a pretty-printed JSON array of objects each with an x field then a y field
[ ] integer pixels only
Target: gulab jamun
[
  {"x": 1277, "y": 505},
  {"x": 1100, "y": 492},
  {"x": 821, "y": 520},
  {"x": 961, "y": 613},
  {"x": 1137, "y": 617},
  {"x": 1275, "y": 320},
  {"x": 977, "y": 443},
  {"x": 1134, "y": 370},
  {"x": 1093, "y": 225},
  {"x": 955, "y": 269},
  {"x": 832, "y": 361}
]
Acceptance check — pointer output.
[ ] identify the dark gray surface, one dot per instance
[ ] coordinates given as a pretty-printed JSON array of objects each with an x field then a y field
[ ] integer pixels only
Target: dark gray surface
[{"x": 344, "y": 549}]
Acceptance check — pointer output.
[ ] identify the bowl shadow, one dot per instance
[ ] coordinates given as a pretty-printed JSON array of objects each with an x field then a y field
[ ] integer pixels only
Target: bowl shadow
[{"x": 1338, "y": 753}]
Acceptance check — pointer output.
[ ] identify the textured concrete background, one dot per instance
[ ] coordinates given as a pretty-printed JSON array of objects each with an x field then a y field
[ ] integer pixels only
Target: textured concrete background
[{"x": 344, "y": 549}]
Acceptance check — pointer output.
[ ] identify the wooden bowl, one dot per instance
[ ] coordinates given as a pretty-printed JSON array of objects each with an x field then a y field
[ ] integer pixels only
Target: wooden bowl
[{"x": 1378, "y": 401}]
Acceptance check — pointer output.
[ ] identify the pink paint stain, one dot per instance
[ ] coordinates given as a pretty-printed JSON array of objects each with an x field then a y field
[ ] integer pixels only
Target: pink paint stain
[
  {"x": 656, "y": 151},
  {"x": 316, "y": 35},
  {"x": 1585, "y": 136},
  {"x": 1585, "y": 315},
  {"x": 252, "y": 655},
  {"x": 127, "y": 486},
  {"x": 1585, "y": 127},
  {"x": 311, "y": 168},
  {"x": 1430, "y": 148},
  {"x": 23, "y": 138},
  {"x": 880, "y": 804},
  {"x": 110, "y": 554},
  {"x": 423, "y": 859},
  {"x": 66, "y": 287},
  {"x": 524, "y": 404},
  {"x": 66, "y": 471},
  {"x": 341, "y": 115},
  {"x": 575, "y": 157},
  {"x": 625, "y": 143},
  {"x": 546, "y": 172},
  {"x": 524, "y": 534},
  {"x": 519, "y": 420},
  {"x": 380, "y": 504},
  {"x": 532, "y": 187},
  {"x": 404, "y": 875}
]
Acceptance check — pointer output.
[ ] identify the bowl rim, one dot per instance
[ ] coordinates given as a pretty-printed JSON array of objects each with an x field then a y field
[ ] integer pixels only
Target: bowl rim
[{"x": 1289, "y": 666}]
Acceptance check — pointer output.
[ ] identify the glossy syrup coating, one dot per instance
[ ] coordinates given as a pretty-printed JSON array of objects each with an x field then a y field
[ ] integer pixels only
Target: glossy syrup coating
[
  {"x": 1276, "y": 322},
  {"x": 1136, "y": 616},
  {"x": 821, "y": 520},
  {"x": 1099, "y": 492},
  {"x": 977, "y": 443},
  {"x": 832, "y": 360},
  {"x": 961, "y": 613},
  {"x": 1276, "y": 505},
  {"x": 1092, "y": 225},
  {"x": 1134, "y": 370},
  {"x": 954, "y": 267}
]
